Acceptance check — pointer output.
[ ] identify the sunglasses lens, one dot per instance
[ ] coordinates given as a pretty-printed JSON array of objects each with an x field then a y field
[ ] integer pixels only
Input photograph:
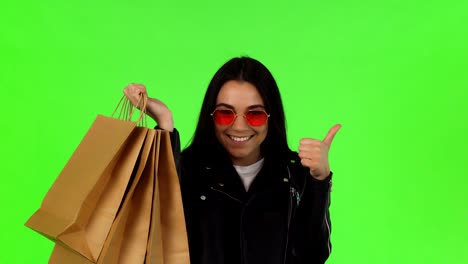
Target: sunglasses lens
[
  {"x": 256, "y": 117},
  {"x": 223, "y": 117}
]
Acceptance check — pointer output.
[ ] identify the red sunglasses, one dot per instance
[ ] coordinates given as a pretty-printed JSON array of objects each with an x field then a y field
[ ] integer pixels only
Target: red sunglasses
[{"x": 226, "y": 117}]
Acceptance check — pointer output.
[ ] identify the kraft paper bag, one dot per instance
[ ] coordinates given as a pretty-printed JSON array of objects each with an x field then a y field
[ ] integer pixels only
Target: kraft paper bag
[
  {"x": 127, "y": 239},
  {"x": 81, "y": 205},
  {"x": 168, "y": 242},
  {"x": 155, "y": 251},
  {"x": 135, "y": 238}
]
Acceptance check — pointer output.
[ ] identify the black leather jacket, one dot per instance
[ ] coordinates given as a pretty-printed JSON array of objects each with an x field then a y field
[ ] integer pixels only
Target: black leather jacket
[{"x": 283, "y": 218}]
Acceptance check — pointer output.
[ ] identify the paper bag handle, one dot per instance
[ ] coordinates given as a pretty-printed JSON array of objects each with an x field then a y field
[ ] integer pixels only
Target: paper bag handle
[{"x": 127, "y": 109}]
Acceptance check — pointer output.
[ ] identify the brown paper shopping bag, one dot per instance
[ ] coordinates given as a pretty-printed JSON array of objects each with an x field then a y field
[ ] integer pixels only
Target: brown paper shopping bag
[
  {"x": 168, "y": 242},
  {"x": 128, "y": 237},
  {"x": 81, "y": 205},
  {"x": 150, "y": 226},
  {"x": 135, "y": 238}
]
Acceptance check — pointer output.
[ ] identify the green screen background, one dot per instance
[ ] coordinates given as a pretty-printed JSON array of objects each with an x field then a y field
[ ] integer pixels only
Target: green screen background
[{"x": 393, "y": 73}]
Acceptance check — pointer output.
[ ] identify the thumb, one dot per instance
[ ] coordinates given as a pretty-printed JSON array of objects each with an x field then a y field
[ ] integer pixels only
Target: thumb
[{"x": 331, "y": 134}]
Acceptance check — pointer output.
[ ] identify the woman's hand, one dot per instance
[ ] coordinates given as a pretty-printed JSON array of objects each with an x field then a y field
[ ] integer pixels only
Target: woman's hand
[
  {"x": 154, "y": 108},
  {"x": 134, "y": 92},
  {"x": 314, "y": 154}
]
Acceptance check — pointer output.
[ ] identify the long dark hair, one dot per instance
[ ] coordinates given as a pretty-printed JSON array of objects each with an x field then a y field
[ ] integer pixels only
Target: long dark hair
[{"x": 275, "y": 146}]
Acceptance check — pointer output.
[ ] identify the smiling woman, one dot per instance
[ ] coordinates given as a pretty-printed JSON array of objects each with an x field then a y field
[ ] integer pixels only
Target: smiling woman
[{"x": 247, "y": 197}]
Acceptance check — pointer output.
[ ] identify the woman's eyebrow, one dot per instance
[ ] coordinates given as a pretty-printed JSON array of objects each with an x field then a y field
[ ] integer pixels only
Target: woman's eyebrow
[
  {"x": 225, "y": 105},
  {"x": 256, "y": 106},
  {"x": 233, "y": 108}
]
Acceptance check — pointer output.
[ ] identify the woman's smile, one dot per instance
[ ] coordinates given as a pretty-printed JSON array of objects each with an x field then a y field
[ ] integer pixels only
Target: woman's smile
[{"x": 240, "y": 139}]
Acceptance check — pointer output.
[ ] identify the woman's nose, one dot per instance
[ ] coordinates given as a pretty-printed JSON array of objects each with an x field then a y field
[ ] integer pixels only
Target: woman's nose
[{"x": 240, "y": 123}]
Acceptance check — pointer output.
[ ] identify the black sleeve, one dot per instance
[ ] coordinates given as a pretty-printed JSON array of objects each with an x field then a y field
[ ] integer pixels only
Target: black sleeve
[{"x": 311, "y": 223}]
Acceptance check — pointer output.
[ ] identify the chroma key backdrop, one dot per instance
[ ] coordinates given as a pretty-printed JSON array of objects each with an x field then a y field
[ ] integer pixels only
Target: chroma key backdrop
[{"x": 393, "y": 73}]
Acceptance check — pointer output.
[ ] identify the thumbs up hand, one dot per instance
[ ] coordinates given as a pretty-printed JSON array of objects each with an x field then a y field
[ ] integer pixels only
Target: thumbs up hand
[{"x": 314, "y": 154}]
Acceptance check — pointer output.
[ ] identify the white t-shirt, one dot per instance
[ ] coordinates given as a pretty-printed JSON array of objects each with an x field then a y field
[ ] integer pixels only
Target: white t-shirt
[{"x": 248, "y": 173}]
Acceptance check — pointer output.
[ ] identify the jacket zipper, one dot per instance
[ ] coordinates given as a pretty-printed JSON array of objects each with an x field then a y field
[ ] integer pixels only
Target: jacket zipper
[
  {"x": 242, "y": 213},
  {"x": 290, "y": 209},
  {"x": 243, "y": 257},
  {"x": 228, "y": 195}
]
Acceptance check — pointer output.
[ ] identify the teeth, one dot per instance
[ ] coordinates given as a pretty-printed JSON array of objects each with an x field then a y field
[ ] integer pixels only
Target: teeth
[{"x": 239, "y": 139}]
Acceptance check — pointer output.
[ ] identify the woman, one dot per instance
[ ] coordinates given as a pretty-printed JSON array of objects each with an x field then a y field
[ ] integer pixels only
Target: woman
[{"x": 247, "y": 197}]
